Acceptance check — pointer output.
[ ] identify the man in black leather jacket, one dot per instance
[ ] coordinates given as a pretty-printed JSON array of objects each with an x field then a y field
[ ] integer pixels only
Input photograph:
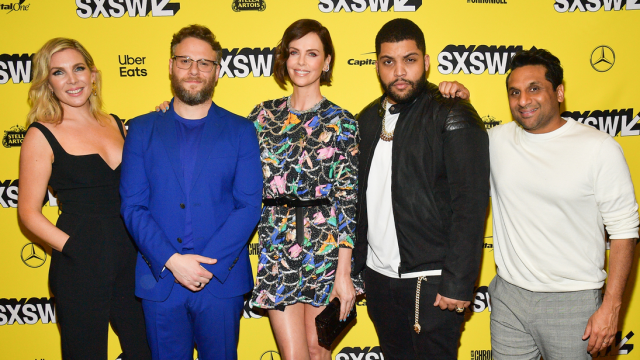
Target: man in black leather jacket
[{"x": 423, "y": 193}]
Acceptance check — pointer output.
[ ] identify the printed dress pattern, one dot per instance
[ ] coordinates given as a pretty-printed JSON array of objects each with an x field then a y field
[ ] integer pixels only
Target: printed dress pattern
[{"x": 309, "y": 155}]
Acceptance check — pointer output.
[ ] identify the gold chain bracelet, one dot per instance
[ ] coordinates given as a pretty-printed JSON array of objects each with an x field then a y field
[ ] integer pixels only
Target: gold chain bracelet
[{"x": 416, "y": 326}]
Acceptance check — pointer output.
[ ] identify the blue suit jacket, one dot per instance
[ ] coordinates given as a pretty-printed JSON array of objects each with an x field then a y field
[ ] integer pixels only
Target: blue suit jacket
[{"x": 226, "y": 195}]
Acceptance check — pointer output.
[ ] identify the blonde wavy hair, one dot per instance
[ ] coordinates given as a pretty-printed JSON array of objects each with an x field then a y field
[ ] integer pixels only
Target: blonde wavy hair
[{"x": 45, "y": 106}]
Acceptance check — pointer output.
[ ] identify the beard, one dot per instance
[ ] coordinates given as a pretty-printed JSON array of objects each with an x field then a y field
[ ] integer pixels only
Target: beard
[
  {"x": 189, "y": 97},
  {"x": 411, "y": 94}
]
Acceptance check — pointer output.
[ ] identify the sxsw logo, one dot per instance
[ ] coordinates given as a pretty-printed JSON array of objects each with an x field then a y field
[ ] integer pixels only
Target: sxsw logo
[
  {"x": 476, "y": 59},
  {"x": 619, "y": 347},
  {"x": 9, "y": 195},
  {"x": 242, "y": 62},
  {"x": 117, "y": 8},
  {"x": 249, "y": 312},
  {"x": 613, "y": 122},
  {"x": 595, "y": 5},
  {"x": 16, "y": 68},
  {"x": 356, "y": 353},
  {"x": 327, "y": 6},
  {"x": 27, "y": 311},
  {"x": 481, "y": 300}
]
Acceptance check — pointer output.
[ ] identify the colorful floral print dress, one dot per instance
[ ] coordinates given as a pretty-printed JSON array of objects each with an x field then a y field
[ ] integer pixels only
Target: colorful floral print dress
[{"x": 308, "y": 155}]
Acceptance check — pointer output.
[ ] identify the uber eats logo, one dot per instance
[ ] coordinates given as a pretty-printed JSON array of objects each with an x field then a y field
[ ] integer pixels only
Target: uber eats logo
[
  {"x": 595, "y": 5},
  {"x": 614, "y": 122},
  {"x": 132, "y": 66},
  {"x": 242, "y": 62},
  {"x": 118, "y": 8},
  {"x": 16, "y": 68},
  {"x": 23, "y": 311},
  {"x": 327, "y": 6},
  {"x": 473, "y": 59}
]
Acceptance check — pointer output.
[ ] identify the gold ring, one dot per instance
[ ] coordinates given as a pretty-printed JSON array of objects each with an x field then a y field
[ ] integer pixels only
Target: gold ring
[{"x": 459, "y": 310}]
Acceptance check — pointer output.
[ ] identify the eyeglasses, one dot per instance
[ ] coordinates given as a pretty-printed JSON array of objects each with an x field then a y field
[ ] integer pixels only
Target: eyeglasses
[{"x": 184, "y": 63}]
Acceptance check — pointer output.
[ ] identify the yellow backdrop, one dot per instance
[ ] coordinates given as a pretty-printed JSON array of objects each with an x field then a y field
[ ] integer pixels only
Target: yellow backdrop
[{"x": 469, "y": 41}]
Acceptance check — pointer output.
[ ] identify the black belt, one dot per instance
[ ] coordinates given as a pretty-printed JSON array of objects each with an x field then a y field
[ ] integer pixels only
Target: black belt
[{"x": 291, "y": 201}]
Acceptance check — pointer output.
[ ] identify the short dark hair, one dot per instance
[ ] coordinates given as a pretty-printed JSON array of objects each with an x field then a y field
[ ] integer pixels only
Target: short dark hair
[
  {"x": 398, "y": 30},
  {"x": 296, "y": 31},
  {"x": 551, "y": 63},
  {"x": 199, "y": 32}
]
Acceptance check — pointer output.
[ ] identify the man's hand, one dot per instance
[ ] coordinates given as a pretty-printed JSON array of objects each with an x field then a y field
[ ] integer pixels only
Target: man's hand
[
  {"x": 450, "y": 304},
  {"x": 188, "y": 271},
  {"x": 453, "y": 89},
  {"x": 602, "y": 327}
]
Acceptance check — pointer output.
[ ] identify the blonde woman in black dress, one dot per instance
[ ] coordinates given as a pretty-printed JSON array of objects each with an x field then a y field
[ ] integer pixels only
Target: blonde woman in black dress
[{"x": 73, "y": 146}]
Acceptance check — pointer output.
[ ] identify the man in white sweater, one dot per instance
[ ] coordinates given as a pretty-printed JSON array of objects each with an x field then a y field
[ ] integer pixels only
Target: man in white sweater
[{"x": 556, "y": 185}]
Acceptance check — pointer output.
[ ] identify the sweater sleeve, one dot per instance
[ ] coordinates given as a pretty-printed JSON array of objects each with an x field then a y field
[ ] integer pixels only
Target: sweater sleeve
[{"x": 614, "y": 191}]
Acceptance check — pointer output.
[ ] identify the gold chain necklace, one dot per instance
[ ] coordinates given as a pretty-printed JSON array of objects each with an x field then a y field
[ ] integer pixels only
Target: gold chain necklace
[{"x": 385, "y": 135}]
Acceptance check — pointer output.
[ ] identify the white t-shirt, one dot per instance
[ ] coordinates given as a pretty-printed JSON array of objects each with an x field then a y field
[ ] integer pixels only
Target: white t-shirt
[
  {"x": 383, "y": 255},
  {"x": 552, "y": 194}
]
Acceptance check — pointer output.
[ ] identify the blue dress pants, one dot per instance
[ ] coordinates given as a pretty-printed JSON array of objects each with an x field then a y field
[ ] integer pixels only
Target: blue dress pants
[{"x": 187, "y": 319}]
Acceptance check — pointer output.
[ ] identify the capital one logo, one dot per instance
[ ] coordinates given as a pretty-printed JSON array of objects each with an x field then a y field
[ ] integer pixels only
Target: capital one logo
[
  {"x": 16, "y": 68},
  {"x": 327, "y": 6},
  {"x": 118, "y": 8},
  {"x": 562, "y": 6},
  {"x": 17, "y": 6}
]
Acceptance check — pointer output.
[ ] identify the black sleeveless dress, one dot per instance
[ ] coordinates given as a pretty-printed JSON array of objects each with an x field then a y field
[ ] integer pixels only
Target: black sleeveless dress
[{"x": 93, "y": 278}]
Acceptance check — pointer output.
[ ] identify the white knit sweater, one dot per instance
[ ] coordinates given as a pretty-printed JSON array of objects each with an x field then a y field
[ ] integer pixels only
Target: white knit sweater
[{"x": 551, "y": 195}]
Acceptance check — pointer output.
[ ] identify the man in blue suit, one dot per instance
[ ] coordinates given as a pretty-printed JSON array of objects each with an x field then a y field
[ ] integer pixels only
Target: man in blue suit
[{"x": 191, "y": 190}]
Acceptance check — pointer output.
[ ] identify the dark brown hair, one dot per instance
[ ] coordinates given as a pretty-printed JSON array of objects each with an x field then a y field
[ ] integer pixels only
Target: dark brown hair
[
  {"x": 296, "y": 31},
  {"x": 199, "y": 32}
]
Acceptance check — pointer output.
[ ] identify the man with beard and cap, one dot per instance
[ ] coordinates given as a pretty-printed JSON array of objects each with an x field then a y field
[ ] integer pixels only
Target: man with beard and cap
[
  {"x": 423, "y": 191},
  {"x": 191, "y": 190}
]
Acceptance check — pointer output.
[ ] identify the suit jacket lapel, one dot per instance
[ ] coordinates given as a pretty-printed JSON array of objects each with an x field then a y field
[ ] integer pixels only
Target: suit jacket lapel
[
  {"x": 212, "y": 129},
  {"x": 167, "y": 130}
]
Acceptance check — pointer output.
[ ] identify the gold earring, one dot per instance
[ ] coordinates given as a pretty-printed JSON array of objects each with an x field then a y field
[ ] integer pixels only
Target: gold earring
[{"x": 94, "y": 89}]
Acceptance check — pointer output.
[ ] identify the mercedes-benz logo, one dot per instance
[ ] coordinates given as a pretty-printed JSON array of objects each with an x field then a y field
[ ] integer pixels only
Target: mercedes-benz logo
[
  {"x": 602, "y": 58},
  {"x": 269, "y": 355},
  {"x": 33, "y": 255}
]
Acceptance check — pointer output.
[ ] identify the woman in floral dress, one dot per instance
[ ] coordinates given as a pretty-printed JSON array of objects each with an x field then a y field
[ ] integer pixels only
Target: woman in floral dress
[{"x": 309, "y": 158}]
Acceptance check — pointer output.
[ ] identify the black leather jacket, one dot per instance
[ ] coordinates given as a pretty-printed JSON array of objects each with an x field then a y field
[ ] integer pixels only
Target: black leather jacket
[{"x": 439, "y": 187}]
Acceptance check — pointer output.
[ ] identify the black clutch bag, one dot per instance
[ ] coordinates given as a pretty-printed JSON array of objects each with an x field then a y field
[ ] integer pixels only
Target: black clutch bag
[{"x": 328, "y": 324}]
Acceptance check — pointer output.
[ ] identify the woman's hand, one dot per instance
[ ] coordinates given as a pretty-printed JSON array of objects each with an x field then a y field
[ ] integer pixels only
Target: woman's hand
[
  {"x": 343, "y": 286},
  {"x": 164, "y": 107}
]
